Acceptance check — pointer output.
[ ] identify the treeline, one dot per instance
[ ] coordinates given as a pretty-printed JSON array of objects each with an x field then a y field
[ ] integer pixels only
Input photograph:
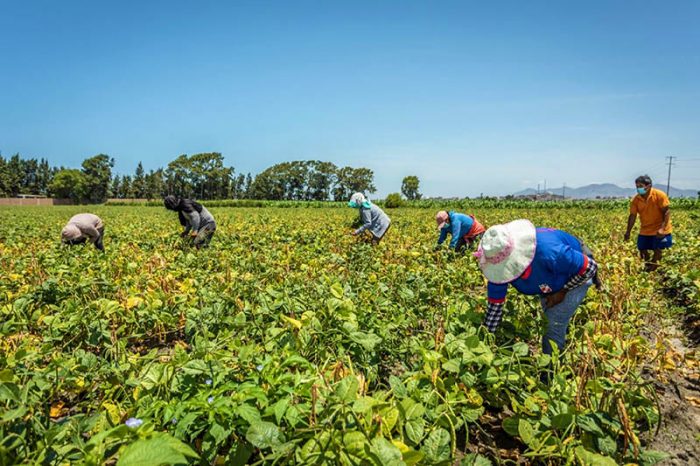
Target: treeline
[{"x": 199, "y": 176}]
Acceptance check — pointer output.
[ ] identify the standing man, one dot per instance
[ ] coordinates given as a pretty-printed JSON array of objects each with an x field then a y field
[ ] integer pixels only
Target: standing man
[
  {"x": 652, "y": 205},
  {"x": 465, "y": 230},
  {"x": 84, "y": 227}
]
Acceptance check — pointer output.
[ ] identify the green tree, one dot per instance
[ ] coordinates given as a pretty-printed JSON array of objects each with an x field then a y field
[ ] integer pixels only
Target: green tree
[
  {"x": 353, "y": 180},
  {"x": 68, "y": 183},
  {"x": 139, "y": 184},
  {"x": 115, "y": 188},
  {"x": 393, "y": 201},
  {"x": 97, "y": 172},
  {"x": 155, "y": 184},
  {"x": 409, "y": 188}
]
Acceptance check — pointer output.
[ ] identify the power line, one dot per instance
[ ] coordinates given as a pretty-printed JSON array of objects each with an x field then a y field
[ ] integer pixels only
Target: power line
[{"x": 670, "y": 164}]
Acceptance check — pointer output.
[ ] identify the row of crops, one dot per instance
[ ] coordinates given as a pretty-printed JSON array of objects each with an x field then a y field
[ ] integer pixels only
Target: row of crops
[{"x": 290, "y": 342}]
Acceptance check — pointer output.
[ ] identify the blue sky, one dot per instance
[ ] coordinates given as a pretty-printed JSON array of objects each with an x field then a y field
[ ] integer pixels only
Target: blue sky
[{"x": 473, "y": 97}]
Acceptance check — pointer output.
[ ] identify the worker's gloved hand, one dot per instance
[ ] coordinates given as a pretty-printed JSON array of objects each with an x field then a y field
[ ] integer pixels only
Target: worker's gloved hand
[
  {"x": 100, "y": 246},
  {"x": 193, "y": 234},
  {"x": 183, "y": 234}
]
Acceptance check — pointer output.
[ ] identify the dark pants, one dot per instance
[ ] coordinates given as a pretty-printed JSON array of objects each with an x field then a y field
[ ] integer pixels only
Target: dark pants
[
  {"x": 464, "y": 245},
  {"x": 99, "y": 242},
  {"x": 204, "y": 235}
]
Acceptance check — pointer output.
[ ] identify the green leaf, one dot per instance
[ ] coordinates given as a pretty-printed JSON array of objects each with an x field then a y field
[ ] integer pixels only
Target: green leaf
[
  {"x": 521, "y": 349},
  {"x": 451, "y": 366},
  {"x": 437, "y": 446},
  {"x": 412, "y": 457},
  {"x": 347, "y": 388},
  {"x": 367, "y": 340},
  {"x": 248, "y": 412},
  {"x": 510, "y": 425},
  {"x": 589, "y": 458},
  {"x": 388, "y": 453},
  {"x": 562, "y": 421},
  {"x": 606, "y": 445},
  {"x": 398, "y": 387},
  {"x": 415, "y": 429},
  {"x": 525, "y": 431},
  {"x": 337, "y": 290},
  {"x": 241, "y": 455},
  {"x": 651, "y": 457},
  {"x": 157, "y": 450},
  {"x": 219, "y": 433},
  {"x": 474, "y": 459},
  {"x": 263, "y": 434},
  {"x": 588, "y": 423},
  {"x": 354, "y": 442}
]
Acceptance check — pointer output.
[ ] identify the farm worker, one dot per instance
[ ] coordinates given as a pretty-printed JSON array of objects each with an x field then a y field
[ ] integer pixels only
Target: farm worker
[
  {"x": 198, "y": 222},
  {"x": 652, "y": 205},
  {"x": 84, "y": 227},
  {"x": 372, "y": 217},
  {"x": 544, "y": 262},
  {"x": 465, "y": 229}
]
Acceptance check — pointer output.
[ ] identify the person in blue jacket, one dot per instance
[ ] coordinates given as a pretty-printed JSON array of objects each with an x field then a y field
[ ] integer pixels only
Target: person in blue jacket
[
  {"x": 544, "y": 262},
  {"x": 465, "y": 230}
]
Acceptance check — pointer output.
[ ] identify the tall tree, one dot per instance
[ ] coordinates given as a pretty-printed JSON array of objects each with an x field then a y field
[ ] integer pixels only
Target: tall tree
[
  {"x": 409, "y": 188},
  {"x": 139, "y": 184},
  {"x": 68, "y": 183},
  {"x": 97, "y": 171}
]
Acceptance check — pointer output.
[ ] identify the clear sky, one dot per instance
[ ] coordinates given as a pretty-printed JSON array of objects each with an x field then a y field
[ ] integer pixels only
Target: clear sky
[{"x": 473, "y": 97}]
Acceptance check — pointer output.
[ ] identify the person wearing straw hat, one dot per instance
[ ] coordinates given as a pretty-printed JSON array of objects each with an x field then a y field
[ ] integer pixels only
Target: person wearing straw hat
[
  {"x": 465, "y": 230},
  {"x": 543, "y": 262},
  {"x": 82, "y": 228},
  {"x": 372, "y": 217},
  {"x": 198, "y": 222}
]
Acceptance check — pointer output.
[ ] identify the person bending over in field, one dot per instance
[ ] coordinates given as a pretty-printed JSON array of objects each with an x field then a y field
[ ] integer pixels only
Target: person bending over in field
[
  {"x": 465, "y": 230},
  {"x": 82, "y": 228},
  {"x": 652, "y": 205},
  {"x": 198, "y": 222},
  {"x": 544, "y": 262},
  {"x": 372, "y": 218}
]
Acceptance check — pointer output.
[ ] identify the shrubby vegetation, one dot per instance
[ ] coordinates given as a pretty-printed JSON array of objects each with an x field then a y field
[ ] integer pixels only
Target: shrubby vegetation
[{"x": 289, "y": 341}]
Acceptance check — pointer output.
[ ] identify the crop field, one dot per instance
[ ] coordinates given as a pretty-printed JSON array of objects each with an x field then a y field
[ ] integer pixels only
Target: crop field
[{"x": 289, "y": 341}]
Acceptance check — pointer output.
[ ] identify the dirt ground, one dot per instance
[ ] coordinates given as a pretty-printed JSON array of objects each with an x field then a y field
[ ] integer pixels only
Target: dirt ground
[{"x": 679, "y": 401}]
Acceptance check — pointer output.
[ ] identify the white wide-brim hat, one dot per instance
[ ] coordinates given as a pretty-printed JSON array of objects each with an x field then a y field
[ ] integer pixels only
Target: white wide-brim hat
[{"x": 505, "y": 251}]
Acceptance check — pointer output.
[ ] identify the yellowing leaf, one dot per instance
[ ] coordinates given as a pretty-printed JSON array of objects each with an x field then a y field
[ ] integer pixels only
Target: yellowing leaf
[
  {"x": 133, "y": 301},
  {"x": 294, "y": 322}
]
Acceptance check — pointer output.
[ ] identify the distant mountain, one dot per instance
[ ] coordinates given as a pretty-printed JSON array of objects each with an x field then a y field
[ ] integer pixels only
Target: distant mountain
[{"x": 593, "y": 191}]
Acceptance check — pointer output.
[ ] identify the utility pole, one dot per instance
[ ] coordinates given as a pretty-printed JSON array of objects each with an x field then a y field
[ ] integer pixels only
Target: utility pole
[
  {"x": 538, "y": 188},
  {"x": 563, "y": 191},
  {"x": 668, "y": 183},
  {"x": 545, "y": 186}
]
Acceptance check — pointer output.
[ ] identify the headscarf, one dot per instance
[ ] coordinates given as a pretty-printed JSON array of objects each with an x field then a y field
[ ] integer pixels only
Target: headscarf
[{"x": 357, "y": 200}]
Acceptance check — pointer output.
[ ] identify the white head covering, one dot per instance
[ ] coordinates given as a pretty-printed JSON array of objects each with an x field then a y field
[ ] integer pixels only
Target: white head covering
[
  {"x": 505, "y": 251},
  {"x": 70, "y": 232},
  {"x": 358, "y": 198}
]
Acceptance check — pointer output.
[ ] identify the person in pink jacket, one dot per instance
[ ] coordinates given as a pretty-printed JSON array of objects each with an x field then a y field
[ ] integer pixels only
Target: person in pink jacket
[{"x": 84, "y": 227}]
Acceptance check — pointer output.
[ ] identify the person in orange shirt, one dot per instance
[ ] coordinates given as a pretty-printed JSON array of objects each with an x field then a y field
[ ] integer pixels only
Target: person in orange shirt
[{"x": 652, "y": 206}]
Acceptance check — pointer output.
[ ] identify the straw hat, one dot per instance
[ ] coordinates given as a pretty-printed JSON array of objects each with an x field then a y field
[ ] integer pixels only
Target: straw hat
[{"x": 505, "y": 251}]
